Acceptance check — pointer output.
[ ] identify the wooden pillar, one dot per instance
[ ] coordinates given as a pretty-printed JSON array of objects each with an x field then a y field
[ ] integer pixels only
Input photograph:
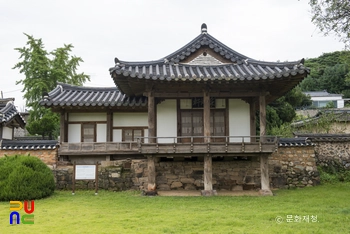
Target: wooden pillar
[
  {"x": 109, "y": 136},
  {"x": 264, "y": 166},
  {"x": 252, "y": 119},
  {"x": 63, "y": 126},
  {"x": 151, "y": 118},
  {"x": 151, "y": 170},
  {"x": 262, "y": 111},
  {"x": 265, "y": 181},
  {"x": 208, "y": 173},
  {"x": 206, "y": 116}
]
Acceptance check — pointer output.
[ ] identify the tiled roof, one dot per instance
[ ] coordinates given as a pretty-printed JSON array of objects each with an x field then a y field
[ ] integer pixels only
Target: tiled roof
[
  {"x": 28, "y": 145},
  {"x": 69, "y": 95},
  {"x": 317, "y": 137},
  {"x": 8, "y": 112},
  {"x": 322, "y": 94},
  {"x": 300, "y": 141},
  {"x": 235, "y": 66},
  {"x": 334, "y": 115}
]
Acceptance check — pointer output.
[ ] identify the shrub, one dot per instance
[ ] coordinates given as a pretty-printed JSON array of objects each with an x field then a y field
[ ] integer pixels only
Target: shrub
[
  {"x": 24, "y": 178},
  {"x": 331, "y": 175}
]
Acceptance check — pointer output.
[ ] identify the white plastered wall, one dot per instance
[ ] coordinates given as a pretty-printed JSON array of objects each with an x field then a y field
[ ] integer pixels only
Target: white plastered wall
[
  {"x": 239, "y": 119},
  {"x": 129, "y": 119},
  {"x": 74, "y": 133},
  {"x": 88, "y": 117},
  {"x": 133, "y": 119},
  {"x": 167, "y": 120},
  {"x": 101, "y": 132},
  {"x": 7, "y": 133}
]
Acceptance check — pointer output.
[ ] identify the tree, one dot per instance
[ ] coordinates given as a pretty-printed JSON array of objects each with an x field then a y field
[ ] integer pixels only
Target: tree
[
  {"x": 332, "y": 16},
  {"x": 281, "y": 112},
  {"x": 329, "y": 72},
  {"x": 42, "y": 71}
]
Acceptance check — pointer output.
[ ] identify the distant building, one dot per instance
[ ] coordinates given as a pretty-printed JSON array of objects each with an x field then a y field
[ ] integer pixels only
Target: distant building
[
  {"x": 10, "y": 119},
  {"x": 322, "y": 98}
]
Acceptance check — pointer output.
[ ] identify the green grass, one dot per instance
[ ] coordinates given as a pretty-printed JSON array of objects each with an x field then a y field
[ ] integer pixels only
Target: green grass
[{"x": 128, "y": 212}]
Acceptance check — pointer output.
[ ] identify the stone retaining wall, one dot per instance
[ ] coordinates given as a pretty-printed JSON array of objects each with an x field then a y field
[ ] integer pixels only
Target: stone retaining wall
[
  {"x": 333, "y": 154},
  {"x": 48, "y": 156},
  {"x": 289, "y": 167},
  {"x": 293, "y": 166}
]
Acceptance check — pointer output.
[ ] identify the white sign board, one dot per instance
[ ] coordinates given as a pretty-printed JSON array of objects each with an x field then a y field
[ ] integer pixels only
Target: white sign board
[{"x": 85, "y": 172}]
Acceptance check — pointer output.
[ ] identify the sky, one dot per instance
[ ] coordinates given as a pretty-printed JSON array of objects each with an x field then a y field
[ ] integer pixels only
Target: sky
[{"x": 135, "y": 30}]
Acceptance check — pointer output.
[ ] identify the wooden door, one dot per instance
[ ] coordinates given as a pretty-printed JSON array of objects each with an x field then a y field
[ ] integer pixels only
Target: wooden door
[
  {"x": 192, "y": 125},
  {"x": 217, "y": 125}
]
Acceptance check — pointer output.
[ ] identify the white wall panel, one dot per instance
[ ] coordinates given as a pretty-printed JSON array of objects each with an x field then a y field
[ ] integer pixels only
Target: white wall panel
[
  {"x": 130, "y": 119},
  {"x": 166, "y": 120},
  {"x": 7, "y": 133},
  {"x": 117, "y": 135},
  {"x": 74, "y": 133},
  {"x": 87, "y": 117},
  {"x": 101, "y": 132},
  {"x": 239, "y": 119}
]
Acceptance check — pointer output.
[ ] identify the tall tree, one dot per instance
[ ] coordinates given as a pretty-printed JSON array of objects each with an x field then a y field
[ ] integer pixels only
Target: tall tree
[
  {"x": 42, "y": 71},
  {"x": 332, "y": 16}
]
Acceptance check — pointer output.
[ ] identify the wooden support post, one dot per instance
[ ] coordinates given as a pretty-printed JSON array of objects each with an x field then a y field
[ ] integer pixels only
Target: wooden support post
[
  {"x": 63, "y": 126},
  {"x": 208, "y": 177},
  {"x": 109, "y": 132},
  {"x": 262, "y": 111},
  {"x": 151, "y": 170},
  {"x": 252, "y": 119},
  {"x": 206, "y": 116},
  {"x": 264, "y": 165},
  {"x": 151, "y": 118},
  {"x": 265, "y": 181},
  {"x": 96, "y": 179}
]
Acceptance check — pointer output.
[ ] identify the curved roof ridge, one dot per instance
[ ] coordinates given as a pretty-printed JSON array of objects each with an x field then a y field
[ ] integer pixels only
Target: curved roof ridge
[{"x": 82, "y": 88}]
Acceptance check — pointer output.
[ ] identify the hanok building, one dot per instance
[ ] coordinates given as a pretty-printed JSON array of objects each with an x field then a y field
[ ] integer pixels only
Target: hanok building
[
  {"x": 198, "y": 103},
  {"x": 10, "y": 119}
]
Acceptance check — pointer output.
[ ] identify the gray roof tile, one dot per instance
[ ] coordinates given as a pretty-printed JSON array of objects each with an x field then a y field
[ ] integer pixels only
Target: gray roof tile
[
  {"x": 70, "y": 95},
  {"x": 175, "y": 67},
  {"x": 8, "y": 112},
  {"x": 28, "y": 145}
]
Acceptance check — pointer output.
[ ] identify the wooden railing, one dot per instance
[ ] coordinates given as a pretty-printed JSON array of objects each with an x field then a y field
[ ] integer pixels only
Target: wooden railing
[
  {"x": 98, "y": 148},
  {"x": 213, "y": 144},
  {"x": 176, "y": 145}
]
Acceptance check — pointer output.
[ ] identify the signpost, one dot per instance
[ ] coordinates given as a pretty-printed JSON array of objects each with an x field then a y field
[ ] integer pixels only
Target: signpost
[{"x": 85, "y": 172}]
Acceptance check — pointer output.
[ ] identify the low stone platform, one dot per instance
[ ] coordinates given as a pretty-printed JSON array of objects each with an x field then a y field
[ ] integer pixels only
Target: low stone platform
[{"x": 193, "y": 193}]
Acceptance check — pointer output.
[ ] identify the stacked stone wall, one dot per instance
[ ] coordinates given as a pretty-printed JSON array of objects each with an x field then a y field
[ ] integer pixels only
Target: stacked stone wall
[
  {"x": 48, "y": 156},
  {"x": 333, "y": 154},
  {"x": 293, "y": 166}
]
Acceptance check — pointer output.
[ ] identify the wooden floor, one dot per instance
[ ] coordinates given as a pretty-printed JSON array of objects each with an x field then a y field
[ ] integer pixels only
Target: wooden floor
[{"x": 184, "y": 193}]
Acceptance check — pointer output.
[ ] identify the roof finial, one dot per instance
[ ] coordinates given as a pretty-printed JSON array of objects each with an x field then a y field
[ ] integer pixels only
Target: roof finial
[{"x": 204, "y": 28}]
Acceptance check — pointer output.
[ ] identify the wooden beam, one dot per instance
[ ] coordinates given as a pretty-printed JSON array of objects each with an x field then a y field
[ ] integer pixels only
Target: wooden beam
[
  {"x": 262, "y": 111},
  {"x": 151, "y": 118},
  {"x": 151, "y": 169},
  {"x": 62, "y": 126},
  {"x": 265, "y": 181},
  {"x": 208, "y": 173},
  {"x": 109, "y": 136},
  {"x": 252, "y": 119},
  {"x": 206, "y": 116},
  {"x": 237, "y": 94}
]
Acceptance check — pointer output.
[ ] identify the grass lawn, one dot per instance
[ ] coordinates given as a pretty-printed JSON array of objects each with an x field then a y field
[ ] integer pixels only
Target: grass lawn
[{"x": 128, "y": 212}]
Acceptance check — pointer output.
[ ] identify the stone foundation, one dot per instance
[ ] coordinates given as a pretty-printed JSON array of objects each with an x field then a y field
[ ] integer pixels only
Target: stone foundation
[{"x": 293, "y": 167}]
